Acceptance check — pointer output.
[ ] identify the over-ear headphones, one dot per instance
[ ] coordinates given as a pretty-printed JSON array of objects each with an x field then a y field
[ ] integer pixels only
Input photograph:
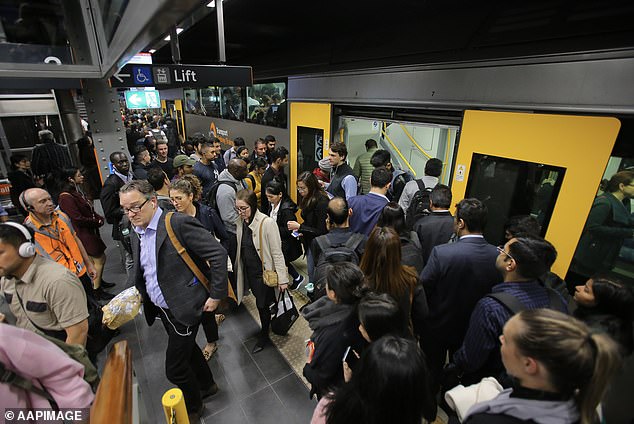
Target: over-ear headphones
[
  {"x": 22, "y": 200},
  {"x": 26, "y": 249}
]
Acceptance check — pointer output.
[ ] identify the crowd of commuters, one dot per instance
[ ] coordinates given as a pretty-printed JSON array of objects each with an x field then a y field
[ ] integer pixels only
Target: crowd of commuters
[{"x": 407, "y": 299}]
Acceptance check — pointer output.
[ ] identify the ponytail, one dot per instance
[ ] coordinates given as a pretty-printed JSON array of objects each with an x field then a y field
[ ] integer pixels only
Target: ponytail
[{"x": 580, "y": 363}]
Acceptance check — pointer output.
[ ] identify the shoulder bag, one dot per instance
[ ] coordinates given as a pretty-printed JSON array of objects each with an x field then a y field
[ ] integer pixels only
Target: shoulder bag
[{"x": 269, "y": 276}]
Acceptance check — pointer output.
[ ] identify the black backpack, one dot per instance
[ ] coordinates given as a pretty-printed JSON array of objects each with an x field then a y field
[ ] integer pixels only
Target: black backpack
[
  {"x": 334, "y": 253},
  {"x": 210, "y": 200},
  {"x": 419, "y": 206}
]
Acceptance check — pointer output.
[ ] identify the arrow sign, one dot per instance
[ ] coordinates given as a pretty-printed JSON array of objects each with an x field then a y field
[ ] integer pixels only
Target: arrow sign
[
  {"x": 135, "y": 99},
  {"x": 118, "y": 76}
]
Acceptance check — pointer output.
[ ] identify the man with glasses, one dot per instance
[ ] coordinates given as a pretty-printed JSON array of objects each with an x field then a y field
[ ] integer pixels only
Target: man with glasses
[
  {"x": 169, "y": 288},
  {"x": 521, "y": 261},
  {"x": 456, "y": 276}
]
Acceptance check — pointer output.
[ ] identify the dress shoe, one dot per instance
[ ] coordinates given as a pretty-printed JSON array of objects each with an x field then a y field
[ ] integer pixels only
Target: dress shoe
[
  {"x": 106, "y": 285},
  {"x": 261, "y": 343},
  {"x": 212, "y": 390},
  {"x": 194, "y": 416}
]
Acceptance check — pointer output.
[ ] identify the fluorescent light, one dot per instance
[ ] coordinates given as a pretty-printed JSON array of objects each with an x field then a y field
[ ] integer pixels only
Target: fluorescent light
[
  {"x": 178, "y": 31},
  {"x": 152, "y": 51}
]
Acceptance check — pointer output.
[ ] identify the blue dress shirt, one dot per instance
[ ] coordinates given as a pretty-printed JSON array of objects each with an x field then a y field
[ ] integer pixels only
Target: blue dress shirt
[{"x": 147, "y": 238}]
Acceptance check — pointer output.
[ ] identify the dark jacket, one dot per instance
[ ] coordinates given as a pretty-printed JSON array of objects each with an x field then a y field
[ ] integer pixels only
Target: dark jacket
[
  {"x": 140, "y": 170},
  {"x": 291, "y": 246},
  {"x": 110, "y": 203},
  {"x": 411, "y": 253},
  {"x": 85, "y": 220},
  {"x": 268, "y": 176},
  {"x": 314, "y": 223},
  {"x": 184, "y": 295},
  {"x": 49, "y": 157},
  {"x": 366, "y": 210},
  {"x": 335, "y": 327},
  {"x": 336, "y": 236},
  {"x": 456, "y": 276},
  {"x": 616, "y": 327},
  {"x": 434, "y": 229},
  {"x": 609, "y": 224},
  {"x": 20, "y": 181}
]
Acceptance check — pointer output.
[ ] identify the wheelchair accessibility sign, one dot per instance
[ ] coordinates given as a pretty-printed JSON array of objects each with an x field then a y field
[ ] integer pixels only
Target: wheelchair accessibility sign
[{"x": 142, "y": 75}]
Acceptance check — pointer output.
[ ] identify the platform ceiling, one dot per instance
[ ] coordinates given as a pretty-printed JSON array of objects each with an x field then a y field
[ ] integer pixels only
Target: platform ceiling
[{"x": 286, "y": 37}]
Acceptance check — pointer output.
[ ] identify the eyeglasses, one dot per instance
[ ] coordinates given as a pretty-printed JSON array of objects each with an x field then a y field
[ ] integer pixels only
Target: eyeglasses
[
  {"x": 242, "y": 209},
  {"x": 135, "y": 209},
  {"x": 501, "y": 250}
]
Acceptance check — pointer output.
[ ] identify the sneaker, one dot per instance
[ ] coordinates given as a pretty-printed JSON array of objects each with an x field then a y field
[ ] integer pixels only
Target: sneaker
[
  {"x": 310, "y": 287},
  {"x": 297, "y": 282}
]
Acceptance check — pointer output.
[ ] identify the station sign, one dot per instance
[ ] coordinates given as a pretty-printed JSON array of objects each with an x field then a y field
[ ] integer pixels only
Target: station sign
[
  {"x": 142, "y": 99},
  {"x": 181, "y": 76}
]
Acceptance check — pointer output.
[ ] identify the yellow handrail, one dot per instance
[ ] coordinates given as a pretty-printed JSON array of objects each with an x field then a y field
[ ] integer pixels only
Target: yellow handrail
[
  {"x": 414, "y": 141},
  {"x": 444, "y": 164},
  {"x": 397, "y": 150}
]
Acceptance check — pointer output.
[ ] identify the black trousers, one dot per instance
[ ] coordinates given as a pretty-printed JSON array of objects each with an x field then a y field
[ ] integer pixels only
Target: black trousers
[
  {"x": 210, "y": 326},
  {"x": 185, "y": 365}
]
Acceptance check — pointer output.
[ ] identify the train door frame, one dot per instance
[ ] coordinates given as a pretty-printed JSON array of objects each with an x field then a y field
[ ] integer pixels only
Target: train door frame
[{"x": 580, "y": 144}]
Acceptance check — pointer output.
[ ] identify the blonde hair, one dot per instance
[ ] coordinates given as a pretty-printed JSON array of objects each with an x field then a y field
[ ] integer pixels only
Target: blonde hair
[{"x": 579, "y": 361}]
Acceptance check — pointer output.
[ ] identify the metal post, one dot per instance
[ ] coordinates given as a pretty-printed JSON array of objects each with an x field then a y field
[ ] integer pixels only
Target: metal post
[
  {"x": 71, "y": 122},
  {"x": 108, "y": 133},
  {"x": 176, "y": 48},
  {"x": 222, "y": 55}
]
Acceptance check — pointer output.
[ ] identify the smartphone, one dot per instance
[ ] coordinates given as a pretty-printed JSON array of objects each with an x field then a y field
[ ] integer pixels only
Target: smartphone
[{"x": 350, "y": 357}]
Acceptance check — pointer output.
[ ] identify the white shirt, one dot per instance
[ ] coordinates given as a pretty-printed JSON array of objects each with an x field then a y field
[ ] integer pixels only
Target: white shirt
[{"x": 275, "y": 210}]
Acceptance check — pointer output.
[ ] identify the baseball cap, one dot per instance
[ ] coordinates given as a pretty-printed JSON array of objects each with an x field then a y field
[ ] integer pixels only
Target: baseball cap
[{"x": 181, "y": 160}]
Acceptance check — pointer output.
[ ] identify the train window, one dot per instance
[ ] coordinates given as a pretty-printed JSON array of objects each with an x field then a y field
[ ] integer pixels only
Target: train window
[
  {"x": 309, "y": 148},
  {"x": 232, "y": 104},
  {"x": 192, "y": 102},
  {"x": 266, "y": 104},
  {"x": 410, "y": 145},
  {"x": 510, "y": 187},
  {"x": 606, "y": 246},
  {"x": 210, "y": 102}
]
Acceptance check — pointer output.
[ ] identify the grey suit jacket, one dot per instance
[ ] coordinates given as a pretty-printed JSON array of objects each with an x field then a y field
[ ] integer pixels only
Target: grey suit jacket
[{"x": 184, "y": 294}]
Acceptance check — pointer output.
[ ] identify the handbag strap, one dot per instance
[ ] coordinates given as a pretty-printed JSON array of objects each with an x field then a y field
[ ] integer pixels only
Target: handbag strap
[
  {"x": 183, "y": 252},
  {"x": 49, "y": 333},
  {"x": 261, "y": 246}
]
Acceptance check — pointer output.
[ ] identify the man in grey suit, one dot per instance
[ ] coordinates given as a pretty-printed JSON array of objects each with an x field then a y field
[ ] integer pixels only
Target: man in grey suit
[
  {"x": 170, "y": 289},
  {"x": 455, "y": 278}
]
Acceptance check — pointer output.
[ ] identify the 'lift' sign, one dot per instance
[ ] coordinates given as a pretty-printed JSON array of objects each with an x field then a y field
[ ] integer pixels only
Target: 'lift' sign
[{"x": 175, "y": 76}]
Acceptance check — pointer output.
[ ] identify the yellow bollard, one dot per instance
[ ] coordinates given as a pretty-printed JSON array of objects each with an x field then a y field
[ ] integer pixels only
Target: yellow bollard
[{"x": 174, "y": 407}]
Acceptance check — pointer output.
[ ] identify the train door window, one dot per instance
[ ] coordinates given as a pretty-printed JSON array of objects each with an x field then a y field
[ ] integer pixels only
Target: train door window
[
  {"x": 410, "y": 145},
  {"x": 510, "y": 187},
  {"x": 606, "y": 246},
  {"x": 309, "y": 148},
  {"x": 265, "y": 104}
]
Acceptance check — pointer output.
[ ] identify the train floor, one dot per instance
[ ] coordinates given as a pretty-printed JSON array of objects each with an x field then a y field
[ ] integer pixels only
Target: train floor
[{"x": 254, "y": 388}]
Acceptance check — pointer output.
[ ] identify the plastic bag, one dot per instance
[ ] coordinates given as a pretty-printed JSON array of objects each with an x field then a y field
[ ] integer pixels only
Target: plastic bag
[{"x": 123, "y": 308}]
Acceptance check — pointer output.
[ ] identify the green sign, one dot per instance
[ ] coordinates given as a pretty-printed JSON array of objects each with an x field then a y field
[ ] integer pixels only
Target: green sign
[{"x": 137, "y": 99}]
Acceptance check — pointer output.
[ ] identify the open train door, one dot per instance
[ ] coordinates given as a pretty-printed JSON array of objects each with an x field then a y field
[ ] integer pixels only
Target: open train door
[
  {"x": 310, "y": 138},
  {"x": 547, "y": 166}
]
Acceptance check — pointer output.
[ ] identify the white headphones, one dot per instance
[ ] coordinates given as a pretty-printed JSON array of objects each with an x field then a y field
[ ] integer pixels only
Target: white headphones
[{"x": 26, "y": 249}]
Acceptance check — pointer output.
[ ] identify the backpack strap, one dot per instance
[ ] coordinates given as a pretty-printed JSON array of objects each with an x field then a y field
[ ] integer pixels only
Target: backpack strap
[
  {"x": 323, "y": 243},
  {"x": 509, "y": 301},
  {"x": 420, "y": 184},
  {"x": 14, "y": 379},
  {"x": 354, "y": 241}
]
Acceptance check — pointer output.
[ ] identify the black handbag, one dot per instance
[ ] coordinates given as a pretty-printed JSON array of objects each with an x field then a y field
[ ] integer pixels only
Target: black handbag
[{"x": 285, "y": 316}]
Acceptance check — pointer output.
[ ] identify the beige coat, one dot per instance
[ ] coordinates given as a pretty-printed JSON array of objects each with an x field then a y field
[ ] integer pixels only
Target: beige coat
[{"x": 271, "y": 252}]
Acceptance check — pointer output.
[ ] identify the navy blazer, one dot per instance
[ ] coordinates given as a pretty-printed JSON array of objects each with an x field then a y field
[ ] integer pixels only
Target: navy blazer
[
  {"x": 366, "y": 210},
  {"x": 184, "y": 295},
  {"x": 456, "y": 276}
]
